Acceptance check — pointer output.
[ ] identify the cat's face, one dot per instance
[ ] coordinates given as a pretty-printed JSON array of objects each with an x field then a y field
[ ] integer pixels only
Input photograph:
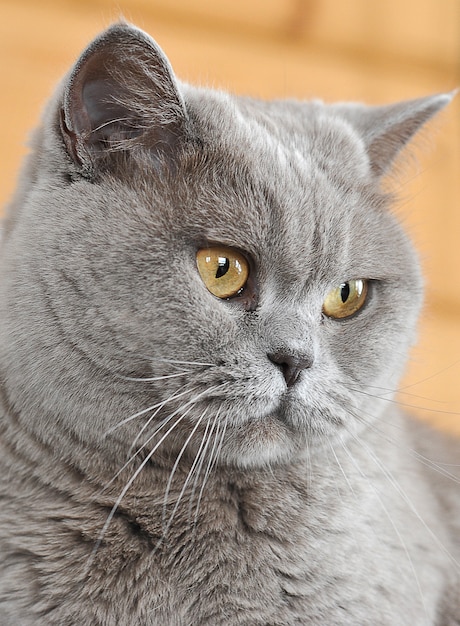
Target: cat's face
[{"x": 188, "y": 268}]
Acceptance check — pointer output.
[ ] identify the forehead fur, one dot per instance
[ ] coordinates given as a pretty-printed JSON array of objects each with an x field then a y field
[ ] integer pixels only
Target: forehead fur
[{"x": 282, "y": 134}]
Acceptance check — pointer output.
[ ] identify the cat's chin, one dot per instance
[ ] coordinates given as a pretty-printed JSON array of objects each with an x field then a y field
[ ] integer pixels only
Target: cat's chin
[
  {"x": 257, "y": 449},
  {"x": 261, "y": 442},
  {"x": 282, "y": 435}
]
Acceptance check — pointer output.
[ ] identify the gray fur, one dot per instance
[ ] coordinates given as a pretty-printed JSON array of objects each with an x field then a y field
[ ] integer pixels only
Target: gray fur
[{"x": 317, "y": 504}]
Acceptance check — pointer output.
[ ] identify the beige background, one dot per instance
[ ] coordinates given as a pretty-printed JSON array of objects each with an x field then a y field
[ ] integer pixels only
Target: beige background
[{"x": 376, "y": 51}]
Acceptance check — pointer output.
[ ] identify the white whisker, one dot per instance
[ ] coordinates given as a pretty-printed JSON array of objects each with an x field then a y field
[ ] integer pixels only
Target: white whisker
[
  {"x": 437, "y": 466},
  {"x": 175, "y": 362},
  {"x": 397, "y": 487},
  {"x": 399, "y": 391},
  {"x": 203, "y": 449},
  {"x": 161, "y": 425},
  {"x": 128, "y": 485},
  {"x": 431, "y": 376},
  {"x": 144, "y": 411},
  {"x": 197, "y": 462},
  {"x": 156, "y": 378},
  {"x": 152, "y": 417},
  {"x": 390, "y": 519},
  {"x": 339, "y": 465},
  {"x": 403, "y": 404},
  {"x": 173, "y": 471},
  {"x": 184, "y": 486},
  {"x": 144, "y": 428},
  {"x": 212, "y": 459},
  {"x": 189, "y": 404}
]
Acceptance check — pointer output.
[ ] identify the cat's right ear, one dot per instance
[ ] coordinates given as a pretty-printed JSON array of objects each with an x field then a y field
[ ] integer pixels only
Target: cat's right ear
[{"x": 122, "y": 91}]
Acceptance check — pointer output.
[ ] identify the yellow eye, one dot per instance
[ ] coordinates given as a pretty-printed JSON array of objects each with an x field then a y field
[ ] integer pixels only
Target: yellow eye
[
  {"x": 223, "y": 270},
  {"x": 346, "y": 299}
]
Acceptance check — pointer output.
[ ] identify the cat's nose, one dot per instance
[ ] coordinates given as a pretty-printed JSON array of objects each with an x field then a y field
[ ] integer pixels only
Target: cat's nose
[{"x": 291, "y": 365}]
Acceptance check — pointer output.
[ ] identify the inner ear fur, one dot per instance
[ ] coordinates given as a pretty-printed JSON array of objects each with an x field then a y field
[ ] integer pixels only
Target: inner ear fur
[{"x": 122, "y": 89}]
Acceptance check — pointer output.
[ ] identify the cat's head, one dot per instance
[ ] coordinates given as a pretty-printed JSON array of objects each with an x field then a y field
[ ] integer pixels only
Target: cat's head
[{"x": 223, "y": 269}]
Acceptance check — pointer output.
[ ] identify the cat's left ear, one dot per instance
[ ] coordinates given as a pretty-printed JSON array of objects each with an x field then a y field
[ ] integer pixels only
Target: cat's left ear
[
  {"x": 121, "y": 91},
  {"x": 386, "y": 130}
]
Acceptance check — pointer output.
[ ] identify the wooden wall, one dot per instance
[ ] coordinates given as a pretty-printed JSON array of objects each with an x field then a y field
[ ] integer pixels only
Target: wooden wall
[{"x": 375, "y": 51}]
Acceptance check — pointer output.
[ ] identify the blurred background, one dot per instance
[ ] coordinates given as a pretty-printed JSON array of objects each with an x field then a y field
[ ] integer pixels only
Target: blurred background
[{"x": 375, "y": 51}]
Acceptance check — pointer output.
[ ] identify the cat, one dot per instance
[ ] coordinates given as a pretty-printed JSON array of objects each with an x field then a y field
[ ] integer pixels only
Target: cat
[{"x": 206, "y": 306}]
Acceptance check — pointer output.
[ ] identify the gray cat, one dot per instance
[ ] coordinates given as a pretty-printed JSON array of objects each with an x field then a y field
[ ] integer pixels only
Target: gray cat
[{"x": 206, "y": 306}]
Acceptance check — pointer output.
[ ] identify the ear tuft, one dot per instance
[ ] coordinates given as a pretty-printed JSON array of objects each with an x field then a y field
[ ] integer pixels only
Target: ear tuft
[{"x": 121, "y": 89}]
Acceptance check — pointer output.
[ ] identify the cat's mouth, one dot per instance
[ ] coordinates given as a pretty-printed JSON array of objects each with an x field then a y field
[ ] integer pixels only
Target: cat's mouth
[{"x": 286, "y": 407}]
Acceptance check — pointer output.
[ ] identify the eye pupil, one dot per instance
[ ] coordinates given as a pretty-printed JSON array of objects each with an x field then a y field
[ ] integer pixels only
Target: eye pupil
[
  {"x": 222, "y": 267},
  {"x": 344, "y": 292}
]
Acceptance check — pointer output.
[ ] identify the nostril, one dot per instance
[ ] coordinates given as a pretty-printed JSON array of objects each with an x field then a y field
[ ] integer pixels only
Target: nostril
[{"x": 291, "y": 365}]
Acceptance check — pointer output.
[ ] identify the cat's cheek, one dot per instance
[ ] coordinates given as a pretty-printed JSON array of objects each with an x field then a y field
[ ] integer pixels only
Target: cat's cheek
[{"x": 363, "y": 346}]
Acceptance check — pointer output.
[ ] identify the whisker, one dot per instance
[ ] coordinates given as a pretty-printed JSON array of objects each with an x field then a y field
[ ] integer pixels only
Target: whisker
[
  {"x": 127, "y": 487},
  {"x": 403, "y": 404},
  {"x": 181, "y": 494},
  {"x": 327, "y": 457},
  {"x": 144, "y": 411},
  {"x": 397, "y": 487},
  {"x": 192, "y": 401},
  {"x": 144, "y": 428},
  {"x": 309, "y": 466},
  {"x": 437, "y": 466},
  {"x": 163, "y": 423},
  {"x": 152, "y": 417},
  {"x": 155, "y": 378},
  {"x": 175, "y": 362},
  {"x": 390, "y": 519},
  {"x": 438, "y": 373},
  {"x": 173, "y": 471},
  {"x": 136, "y": 473},
  {"x": 399, "y": 391},
  {"x": 197, "y": 462},
  {"x": 350, "y": 486},
  {"x": 202, "y": 457},
  {"x": 211, "y": 462}
]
